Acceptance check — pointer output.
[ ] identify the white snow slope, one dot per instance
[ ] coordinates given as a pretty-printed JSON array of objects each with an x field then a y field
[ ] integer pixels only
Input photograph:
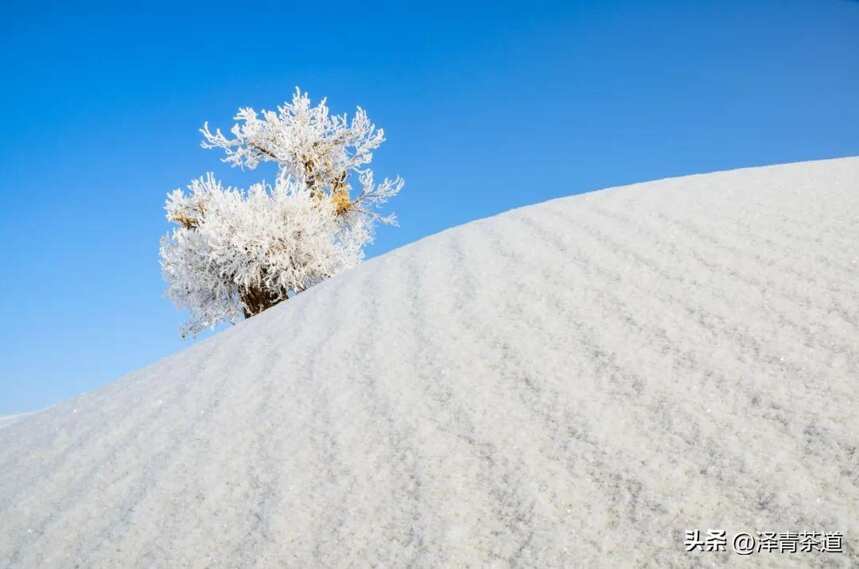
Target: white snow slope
[
  {"x": 7, "y": 420},
  {"x": 573, "y": 384}
]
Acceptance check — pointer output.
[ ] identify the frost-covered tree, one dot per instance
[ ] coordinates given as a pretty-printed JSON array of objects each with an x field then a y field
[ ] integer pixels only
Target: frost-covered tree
[{"x": 235, "y": 253}]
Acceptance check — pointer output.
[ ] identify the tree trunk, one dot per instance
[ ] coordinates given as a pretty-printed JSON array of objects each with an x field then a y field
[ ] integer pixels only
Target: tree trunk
[{"x": 256, "y": 299}]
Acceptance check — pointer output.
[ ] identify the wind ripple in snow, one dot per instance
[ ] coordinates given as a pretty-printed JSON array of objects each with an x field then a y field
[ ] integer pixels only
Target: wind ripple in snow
[{"x": 572, "y": 384}]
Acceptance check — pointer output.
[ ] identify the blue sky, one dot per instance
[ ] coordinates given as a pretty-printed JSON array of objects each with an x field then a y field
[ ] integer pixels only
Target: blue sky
[{"x": 486, "y": 107}]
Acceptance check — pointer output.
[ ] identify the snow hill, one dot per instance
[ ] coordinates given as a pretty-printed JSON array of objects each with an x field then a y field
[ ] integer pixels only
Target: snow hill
[
  {"x": 573, "y": 384},
  {"x": 9, "y": 419}
]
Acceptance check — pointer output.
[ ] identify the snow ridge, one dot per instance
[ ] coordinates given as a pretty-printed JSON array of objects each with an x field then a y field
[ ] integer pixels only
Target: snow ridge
[{"x": 569, "y": 384}]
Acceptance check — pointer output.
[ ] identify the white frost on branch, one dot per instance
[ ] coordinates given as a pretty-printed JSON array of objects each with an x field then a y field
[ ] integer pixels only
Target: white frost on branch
[
  {"x": 235, "y": 253},
  {"x": 313, "y": 146}
]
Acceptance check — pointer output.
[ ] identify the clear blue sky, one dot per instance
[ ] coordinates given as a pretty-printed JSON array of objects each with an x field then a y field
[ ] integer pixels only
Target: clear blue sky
[{"x": 486, "y": 108}]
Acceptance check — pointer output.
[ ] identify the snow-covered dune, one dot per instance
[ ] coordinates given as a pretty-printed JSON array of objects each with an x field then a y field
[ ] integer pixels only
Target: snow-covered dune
[
  {"x": 573, "y": 384},
  {"x": 7, "y": 420}
]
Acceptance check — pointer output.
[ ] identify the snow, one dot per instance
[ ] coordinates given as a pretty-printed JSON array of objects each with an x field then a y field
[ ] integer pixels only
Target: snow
[
  {"x": 572, "y": 384},
  {"x": 7, "y": 420}
]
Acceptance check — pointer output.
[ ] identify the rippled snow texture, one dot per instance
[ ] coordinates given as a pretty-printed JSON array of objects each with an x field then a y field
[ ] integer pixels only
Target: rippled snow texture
[{"x": 572, "y": 384}]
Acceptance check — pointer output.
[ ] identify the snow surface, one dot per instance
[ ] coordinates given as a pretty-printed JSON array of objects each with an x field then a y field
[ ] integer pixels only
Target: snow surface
[
  {"x": 7, "y": 420},
  {"x": 572, "y": 384}
]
